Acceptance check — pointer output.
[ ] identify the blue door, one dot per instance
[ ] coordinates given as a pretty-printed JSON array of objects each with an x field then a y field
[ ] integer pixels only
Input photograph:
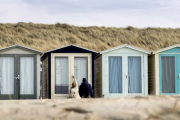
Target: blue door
[{"x": 169, "y": 70}]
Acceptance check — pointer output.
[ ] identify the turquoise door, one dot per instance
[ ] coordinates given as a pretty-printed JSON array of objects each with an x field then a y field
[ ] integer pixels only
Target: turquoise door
[{"x": 169, "y": 70}]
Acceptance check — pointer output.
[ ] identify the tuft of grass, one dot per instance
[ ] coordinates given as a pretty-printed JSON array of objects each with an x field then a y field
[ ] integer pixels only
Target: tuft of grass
[{"x": 46, "y": 37}]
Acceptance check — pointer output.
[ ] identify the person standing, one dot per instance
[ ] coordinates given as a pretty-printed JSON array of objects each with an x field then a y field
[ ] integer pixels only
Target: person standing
[{"x": 85, "y": 89}]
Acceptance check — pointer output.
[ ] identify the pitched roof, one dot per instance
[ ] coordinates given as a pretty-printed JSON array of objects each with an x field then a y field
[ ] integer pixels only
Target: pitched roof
[
  {"x": 167, "y": 48},
  {"x": 21, "y": 47},
  {"x": 62, "y": 48},
  {"x": 125, "y": 45},
  {"x": 74, "y": 46}
]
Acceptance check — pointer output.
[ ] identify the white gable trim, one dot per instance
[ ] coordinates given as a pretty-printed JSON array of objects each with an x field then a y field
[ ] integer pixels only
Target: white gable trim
[
  {"x": 125, "y": 45},
  {"x": 21, "y": 47},
  {"x": 167, "y": 48},
  {"x": 71, "y": 45}
]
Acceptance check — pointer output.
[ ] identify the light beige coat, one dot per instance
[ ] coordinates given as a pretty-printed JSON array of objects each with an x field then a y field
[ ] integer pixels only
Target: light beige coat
[{"x": 75, "y": 92}]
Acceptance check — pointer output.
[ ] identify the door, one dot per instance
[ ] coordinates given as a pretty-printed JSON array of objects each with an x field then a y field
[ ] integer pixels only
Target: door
[
  {"x": 169, "y": 69},
  {"x": 134, "y": 79},
  {"x": 125, "y": 74},
  {"x": 61, "y": 75},
  {"x": 60, "y": 79},
  {"x": 17, "y": 77},
  {"x": 80, "y": 68},
  {"x": 64, "y": 66},
  {"x": 7, "y": 72},
  {"x": 27, "y": 76},
  {"x": 116, "y": 73}
]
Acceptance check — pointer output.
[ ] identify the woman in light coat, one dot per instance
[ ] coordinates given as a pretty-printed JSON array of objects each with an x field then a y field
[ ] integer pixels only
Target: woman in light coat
[{"x": 74, "y": 93}]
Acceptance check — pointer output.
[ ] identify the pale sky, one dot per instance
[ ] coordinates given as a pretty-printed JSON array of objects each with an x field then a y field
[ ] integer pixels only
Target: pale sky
[{"x": 109, "y": 13}]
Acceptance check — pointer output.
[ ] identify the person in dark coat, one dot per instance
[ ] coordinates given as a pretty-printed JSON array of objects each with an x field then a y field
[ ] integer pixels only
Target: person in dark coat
[{"x": 85, "y": 89}]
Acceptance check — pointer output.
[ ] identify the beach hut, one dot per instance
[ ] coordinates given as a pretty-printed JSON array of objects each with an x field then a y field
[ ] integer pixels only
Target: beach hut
[
  {"x": 58, "y": 67},
  {"x": 19, "y": 73},
  {"x": 121, "y": 71},
  {"x": 164, "y": 71}
]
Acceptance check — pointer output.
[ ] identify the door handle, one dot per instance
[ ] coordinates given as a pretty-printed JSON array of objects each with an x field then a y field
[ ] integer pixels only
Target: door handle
[
  {"x": 18, "y": 77},
  {"x": 127, "y": 76},
  {"x": 179, "y": 76}
]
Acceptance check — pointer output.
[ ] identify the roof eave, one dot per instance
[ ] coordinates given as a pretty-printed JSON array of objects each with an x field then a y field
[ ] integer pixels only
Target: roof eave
[
  {"x": 74, "y": 46},
  {"x": 22, "y": 47},
  {"x": 167, "y": 48}
]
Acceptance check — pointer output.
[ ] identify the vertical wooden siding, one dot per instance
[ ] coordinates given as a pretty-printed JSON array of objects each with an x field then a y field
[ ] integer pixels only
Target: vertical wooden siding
[
  {"x": 98, "y": 76},
  {"x": 151, "y": 75},
  {"x": 45, "y": 78}
]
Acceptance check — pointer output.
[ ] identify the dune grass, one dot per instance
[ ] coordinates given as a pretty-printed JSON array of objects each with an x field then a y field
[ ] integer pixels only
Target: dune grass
[{"x": 46, "y": 37}]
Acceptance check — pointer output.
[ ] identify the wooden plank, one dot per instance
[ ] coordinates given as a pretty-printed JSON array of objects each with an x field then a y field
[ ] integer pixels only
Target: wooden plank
[{"x": 45, "y": 78}]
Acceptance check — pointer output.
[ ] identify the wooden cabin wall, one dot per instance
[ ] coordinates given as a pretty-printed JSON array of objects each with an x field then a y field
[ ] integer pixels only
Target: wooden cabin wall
[
  {"x": 98, "y": 76},
  {"x": 151, "y": 75},
  {"x": 45, "y": 78}
]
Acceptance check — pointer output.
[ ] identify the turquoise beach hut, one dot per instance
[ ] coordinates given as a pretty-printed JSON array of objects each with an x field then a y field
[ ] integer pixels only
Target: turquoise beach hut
[{"x": 164, "y": 71}]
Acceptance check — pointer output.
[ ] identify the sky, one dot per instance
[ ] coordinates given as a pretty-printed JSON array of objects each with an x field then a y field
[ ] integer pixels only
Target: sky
[{"x": 108, "y": 13}]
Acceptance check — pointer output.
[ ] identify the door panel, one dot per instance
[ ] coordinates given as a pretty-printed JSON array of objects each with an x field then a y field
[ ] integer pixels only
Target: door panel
[
  {"x": 7, "y": 83},
  {"x": 61, "y": 75},
  {"x": 81, "y": 68},
  {"x": 27, "y": 75},
  {"x": 134, "y": 74},
  {"x": 167, "y": 74},
  {"x": 27, "y": 70},
  {"x": 115, "y": 74}
]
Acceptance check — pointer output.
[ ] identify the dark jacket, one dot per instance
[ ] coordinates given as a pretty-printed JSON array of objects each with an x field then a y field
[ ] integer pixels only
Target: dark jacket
[{"x": 85, "y": 89}]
